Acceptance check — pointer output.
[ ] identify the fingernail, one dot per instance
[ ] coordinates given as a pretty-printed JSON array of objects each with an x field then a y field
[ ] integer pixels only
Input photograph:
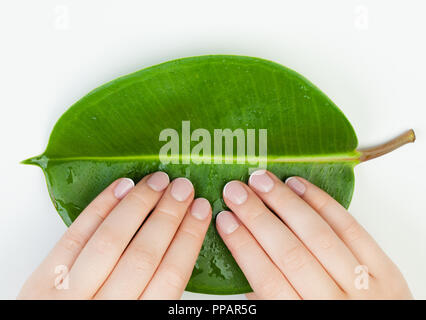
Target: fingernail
[
  {"x": 123, "y": 187},
  {"x": 181, "y": 189},
  {"x": 296, "y": 185},
  {"x": 261, "y": 181},
  {"x": 158, "y": 181},
  {"x": 227, "y": 222},
  {"x": 235, "y": 192},
  {"x": 200, "y": 208}
]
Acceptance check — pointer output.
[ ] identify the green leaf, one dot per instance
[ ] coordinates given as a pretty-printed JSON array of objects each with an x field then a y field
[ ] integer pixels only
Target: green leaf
[{"x": 114, "y": 132}]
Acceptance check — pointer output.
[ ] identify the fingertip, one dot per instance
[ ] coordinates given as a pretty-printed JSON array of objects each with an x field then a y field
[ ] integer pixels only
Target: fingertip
[
  {"x": 256, "y": 173},
  {"x": 296, "y": 184},
  {"x": 181, "y": 189},
  {"x": 235, "y": 192},
  {"x": 158, "y": 181},
  {"x": 201, "y": 209},
  {"x": 261, "y": 181},
  {"x": 227, "y": 222},
  {"x": 123, "y": 187}
]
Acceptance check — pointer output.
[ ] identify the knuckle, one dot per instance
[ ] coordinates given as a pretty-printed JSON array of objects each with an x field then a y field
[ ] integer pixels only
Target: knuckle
[
  {"x": 174, "y": 277},
  {"x": 104, "y": 243},
  {"x": 322, "y": 203},
  {"x": 137, "y": 197},
  {"x": 324, "y": 239},
  {"x": 255, "y": 215},
  {"x": 353, "y": 231},
  {"x": 192, "y": 233},
  {"x": 170, "y": 215},
  {"x": 143, "y": 260},
  {"x": 296, "y": 258},
  {"x": 96, "y": 209},
  {"x": 73, "y": 241},
  {"x": 242, "y": 246}
]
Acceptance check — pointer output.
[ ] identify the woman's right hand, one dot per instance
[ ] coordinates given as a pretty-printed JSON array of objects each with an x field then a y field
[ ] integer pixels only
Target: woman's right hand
[{"x": 294, "y": 241}]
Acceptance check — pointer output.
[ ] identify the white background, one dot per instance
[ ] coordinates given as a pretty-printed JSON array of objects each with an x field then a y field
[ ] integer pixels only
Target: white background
[{"x": 368, "y": 57}]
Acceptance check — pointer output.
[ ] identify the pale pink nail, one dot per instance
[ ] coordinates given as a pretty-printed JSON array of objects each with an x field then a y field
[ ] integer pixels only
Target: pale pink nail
[
  {"x": 123, "y": 187},
  {"x": 296, "y": 185},
  {"x": 181, "y": 189},
  {"x": 235, "y": 192},
  {"x": 200, "y": 208},
  {"x": 261, "y": 181},
  {"x": 158, "y": 181},
  {"x": 227, "y": 222}
]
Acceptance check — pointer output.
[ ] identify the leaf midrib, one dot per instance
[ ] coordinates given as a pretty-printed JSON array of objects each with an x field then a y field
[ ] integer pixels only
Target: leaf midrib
[{"x": 337, "y": 157}]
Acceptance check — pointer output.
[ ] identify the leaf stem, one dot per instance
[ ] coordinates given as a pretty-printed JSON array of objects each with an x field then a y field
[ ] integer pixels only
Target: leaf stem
[{"x": 377, "y": 151}]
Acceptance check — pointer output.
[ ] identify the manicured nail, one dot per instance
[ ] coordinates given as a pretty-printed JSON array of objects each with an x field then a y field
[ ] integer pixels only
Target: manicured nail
[
  {"x": 261, "y": 181},
  {"x": 235, "y": 192},
  {"x": 200, "y": 208},
  {"x": 181, "y": 189},
  {"x": 158, "y": 181},
  {"x": 227, "y": 222},
  {"x": 296, "y": 185},
  {"x": 123, "y": 187}
]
